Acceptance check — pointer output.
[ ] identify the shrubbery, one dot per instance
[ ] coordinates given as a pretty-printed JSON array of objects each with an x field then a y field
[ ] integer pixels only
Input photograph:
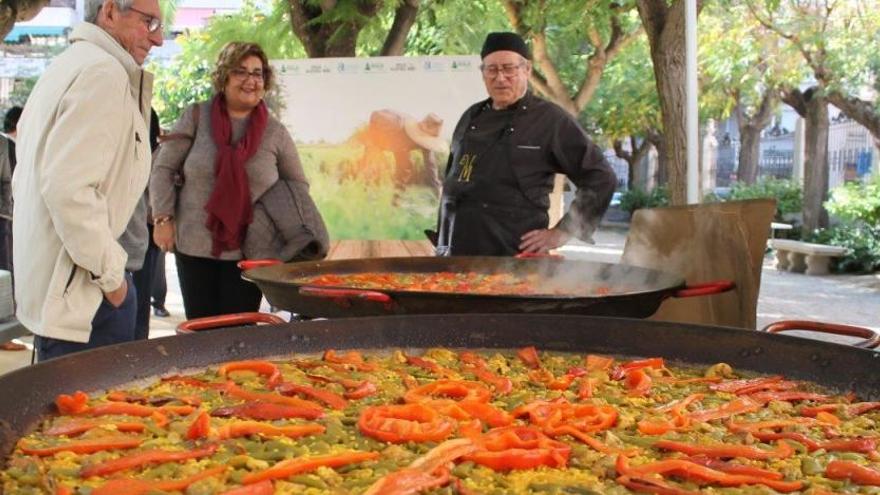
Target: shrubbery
[
  {"x": 634, "y": 199},
  {"x": 857, "y": 206},
  {"x": 788, "y": 194}
]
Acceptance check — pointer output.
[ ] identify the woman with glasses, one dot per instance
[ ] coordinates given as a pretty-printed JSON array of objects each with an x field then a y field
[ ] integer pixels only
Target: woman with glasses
[
  {"x": 222, "y": 155},
  {"x": 505, "y": 153}
]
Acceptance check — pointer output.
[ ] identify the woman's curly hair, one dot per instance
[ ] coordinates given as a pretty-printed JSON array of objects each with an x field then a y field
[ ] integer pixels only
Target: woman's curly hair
[{"x": 230, "y": 58}]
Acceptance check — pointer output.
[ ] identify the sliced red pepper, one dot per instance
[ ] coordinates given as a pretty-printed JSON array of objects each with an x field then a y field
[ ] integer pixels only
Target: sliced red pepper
[
  {"x": 200, "y": 427},
  {"x": 519, "y": 447},
  {"x": 529, "y": 357},
  {"x": 75, "y": 428},
  {"x": 856, "y": 473},
  {"x": 364, "y": 389},
  {"x": 585, "y": 389},
  {"x": 726, "y": 451},
  {"x": 696, "y": 472},
  {"x": 732, "y": 468},
  {"x": 138, "y": 410},
  {"x": 266, "y": 368},
  {"x": 478, "y": 366},
  {"x": 430, "y": 366},
  {"x": 595, "y": 362},
  {"x": 262, "y": 488},
  {"x": 680, "y": 405},
  {"x": 268, "y": 411},
  {"x": 651, "y": 485},
  {"x": 84, "y": 446},
  {"x": 333, "y": 400},
  {"x": 72, "y": 404},
  {"x": 550, "y": 416},
  {"x": 458, "y": 390},
  {"x": 734, "y": 407},
  {"x": 63, "y": 490},
  {"x": 468, "y": 409},
  {"x": 638, "y": 382},
  {"x": 426, "y": 472},
  {"x": 621, "y": 371},
  {"x": 863, "y": 445},
  {"x": 827, "y": 417},
  {"x": 236, "y": 391},
  {"x": 245, "y": 428},
  {"x": 678, "y": 422},
  {"x": 290, "y": 467},
  {"x": 404, "y": 423},
  {"x": 140, "y": 459},
  {"x": 129, "y": 486},
  {"x": 352, "y": 358},
  {"x": 740, "y": 386},
  {"x": 788, "y": 396}
]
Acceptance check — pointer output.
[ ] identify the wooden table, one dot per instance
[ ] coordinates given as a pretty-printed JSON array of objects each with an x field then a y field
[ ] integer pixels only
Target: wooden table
[{"x": 340, "y": 250}]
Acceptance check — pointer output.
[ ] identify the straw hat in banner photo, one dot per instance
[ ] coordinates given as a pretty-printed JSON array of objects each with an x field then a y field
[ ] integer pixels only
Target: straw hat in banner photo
[{"x": 426, "y": 133}]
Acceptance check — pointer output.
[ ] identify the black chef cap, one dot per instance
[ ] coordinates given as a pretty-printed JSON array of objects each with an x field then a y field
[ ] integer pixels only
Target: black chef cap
[{"x": 496, "y": 42}]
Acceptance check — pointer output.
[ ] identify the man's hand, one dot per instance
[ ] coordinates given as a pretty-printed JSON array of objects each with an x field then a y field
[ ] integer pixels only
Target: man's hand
[
  {"x": 117, "y": 296},
  {"x": 163, "y": 236},
  {"x": 543, "y": 240}
]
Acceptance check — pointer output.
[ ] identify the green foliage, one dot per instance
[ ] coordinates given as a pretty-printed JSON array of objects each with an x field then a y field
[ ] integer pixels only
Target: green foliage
[
  {"x": 636, "y": 198},
  {"x": 857, "y": 202},
  {"x": 862, "y": 240},
  {"x": 21, "y": 90},
  {"x": 788, "y": 194}
]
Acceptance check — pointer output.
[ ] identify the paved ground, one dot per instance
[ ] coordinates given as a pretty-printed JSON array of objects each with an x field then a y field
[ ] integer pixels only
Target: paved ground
[{"x": 849, "y": 299}]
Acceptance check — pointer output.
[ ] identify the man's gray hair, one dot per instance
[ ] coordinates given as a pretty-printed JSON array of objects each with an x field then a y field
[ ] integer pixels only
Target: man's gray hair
[{"x": 92, "y": 7}]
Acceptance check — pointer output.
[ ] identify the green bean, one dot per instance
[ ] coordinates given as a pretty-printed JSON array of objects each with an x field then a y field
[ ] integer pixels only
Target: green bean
[
  {"x": 810, "y": 466},
  {"x": 310, "y": 480},
  {"x": 637, "y": 440}
]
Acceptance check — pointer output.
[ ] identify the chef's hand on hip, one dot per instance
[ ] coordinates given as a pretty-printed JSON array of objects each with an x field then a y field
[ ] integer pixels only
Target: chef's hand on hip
[
  {"x": 117, "y": 296},
  {"x": 543, "y": 240},
  {"x": 163, "y": 236}
]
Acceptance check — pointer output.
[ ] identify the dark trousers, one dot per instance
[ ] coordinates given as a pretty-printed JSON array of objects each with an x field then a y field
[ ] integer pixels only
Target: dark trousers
[
  {"x": 109, "y": 326},
  {"x": 213, "y": 287},
  {"x": 160, "y": 285},
  {"x": 143, "y": 280},
  {"x": 5, "y": 244}
]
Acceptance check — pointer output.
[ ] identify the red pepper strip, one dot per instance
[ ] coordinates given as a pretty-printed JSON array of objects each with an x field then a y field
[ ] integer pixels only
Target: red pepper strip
[
  {"x": 245, "y": 428},
  {"x": 468, "y": 409},
  {"x": 426, "y": 472},
  {"x": 75, "y": 428},
  {"x": 765, "y": 397},
  {"x": 638, "y": 382},
  {"x": 591, "y": 442},
  {"x": 585, "y": 389},
  {"x": 404, "y": 423},
  {"x": 848, "y": 470},
  {"x": 236, "y": 391},
  {"x": 649, "y": 485},
  {"x": 862, "y": 445},
  {"x": 731, "y": 468},
  {"x": 737, "y": 406},
  {"x": 431, "y": 366},
  {"x": 195, "y": 382},
  {"x": 693, "y": 471},
  {"x": 861, "y": 408},
  {"x": 596, "y": 362},
  {"x": 84, "y": 446},
  {"x": 737, "y": 386},
  {"x": 142, "y": 487},
  {"x": 119, "y": 396},
  {"x": 63, "y": 490},
  {"x": 257, "y": 366},
  {"x": 529, "y": 357},
  {"x": 72, "y": 404},
  {"x": 767, "y": 436},
  {"x": 140, "y": 459},
  {"x": 333, "y": 400},
  {"x": 552, "y": 415},
  {"x": 290, "y": 467},
  {"x": 501, "y": 384},
  {"x": 354, "y": 389},
  {"x": 200, "y": 427},
  {"x": 519, "y": 447},
  {"x": 352, "y": 358},
  {"x": 261, "y": 488},
  {"x": 680, "y": 405},
  {"x": 828, "y": 418},
  {"x": 782, "y": 450},
  {"x": 470, "y": 428},
  {"x": 682, "y": 381},
  {"x": 268, "y": 411},
  {"x": 457, "y": 390},
  {"x": 621, "y": 371},
  {"x": 365, "y": 389},
  {"x": 128, "y": 409},
  {"x": 679, "y": 422}
]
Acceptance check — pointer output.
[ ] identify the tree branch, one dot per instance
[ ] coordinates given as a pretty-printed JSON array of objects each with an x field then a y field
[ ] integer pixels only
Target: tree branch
[{"x": 404, "y": 18}]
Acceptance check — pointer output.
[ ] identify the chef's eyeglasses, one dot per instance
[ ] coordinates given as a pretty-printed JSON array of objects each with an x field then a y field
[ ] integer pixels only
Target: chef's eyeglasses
[
  {"x": 242, "y": 74},
  {"x": 509, "y": 70},
  {"x": 153, "y": 23}
]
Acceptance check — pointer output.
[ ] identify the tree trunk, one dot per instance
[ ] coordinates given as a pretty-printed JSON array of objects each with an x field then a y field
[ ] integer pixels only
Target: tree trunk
[
  {"x": 656, "y": 138},
  {"x": 404, "y": 18},
  {"x": 750, "y": 127},
  {"x": 814, "y": 109},
  {"x": 637, "y": 172},
  {"x": 665, "y": 25},
  {"x": 863, "y": 112}
]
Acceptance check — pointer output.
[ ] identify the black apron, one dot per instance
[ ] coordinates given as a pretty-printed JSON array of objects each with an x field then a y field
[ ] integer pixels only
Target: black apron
[{"x": 483, "y": 211}]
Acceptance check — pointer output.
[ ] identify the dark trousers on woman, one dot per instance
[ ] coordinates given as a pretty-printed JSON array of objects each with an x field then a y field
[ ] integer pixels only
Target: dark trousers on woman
[
  {"x": 143, "y": 280},
  {"x": 213, "y": 287},
  {"x": 109, "y": 326}
]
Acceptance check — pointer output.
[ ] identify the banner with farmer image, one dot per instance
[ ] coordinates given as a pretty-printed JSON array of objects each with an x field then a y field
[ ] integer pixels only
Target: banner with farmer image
[{"x": 373, "y": 135}]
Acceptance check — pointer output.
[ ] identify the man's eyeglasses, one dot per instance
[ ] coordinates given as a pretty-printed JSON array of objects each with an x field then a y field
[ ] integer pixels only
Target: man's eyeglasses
[
  {"x": 153, "y": 23},
  {"x": 239, "y": 73},
  {"x": 509, "y": 70}
]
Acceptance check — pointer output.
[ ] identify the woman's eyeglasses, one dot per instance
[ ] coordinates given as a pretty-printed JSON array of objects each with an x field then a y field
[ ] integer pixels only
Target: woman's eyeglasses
[{"x": 153, "y": 23}]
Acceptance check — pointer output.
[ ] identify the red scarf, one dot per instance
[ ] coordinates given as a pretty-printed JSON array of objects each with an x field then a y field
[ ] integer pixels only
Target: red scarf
[{"x": 229, "y": 207}]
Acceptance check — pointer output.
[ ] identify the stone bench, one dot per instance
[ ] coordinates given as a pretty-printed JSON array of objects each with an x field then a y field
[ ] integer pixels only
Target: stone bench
[{"x": 798, "y": 256}]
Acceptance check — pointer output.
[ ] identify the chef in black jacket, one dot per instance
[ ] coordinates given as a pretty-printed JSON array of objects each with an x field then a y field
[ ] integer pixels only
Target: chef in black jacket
[{"x": 505, "y": 152}]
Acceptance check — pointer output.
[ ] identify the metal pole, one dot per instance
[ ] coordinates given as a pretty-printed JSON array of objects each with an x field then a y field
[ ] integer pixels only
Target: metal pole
[{"x": 692, "y": 124}]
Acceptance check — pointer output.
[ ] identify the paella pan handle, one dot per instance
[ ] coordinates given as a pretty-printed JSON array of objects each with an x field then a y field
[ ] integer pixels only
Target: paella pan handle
[
  {"x": 230, "y": 320},
  {"x": 245, "y": 265},
  {"x": 345, "y": 294},
  {"x": 705, "y": 289},
  {"x": 871, "y": 338}
]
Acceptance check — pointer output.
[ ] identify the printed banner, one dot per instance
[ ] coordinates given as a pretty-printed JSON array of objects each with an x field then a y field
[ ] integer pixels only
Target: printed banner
[{"x": 373, "y": 135}]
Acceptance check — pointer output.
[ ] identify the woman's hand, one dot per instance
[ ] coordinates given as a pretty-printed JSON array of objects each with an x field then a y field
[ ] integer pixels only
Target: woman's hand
[{"x": 163, "y": 235}]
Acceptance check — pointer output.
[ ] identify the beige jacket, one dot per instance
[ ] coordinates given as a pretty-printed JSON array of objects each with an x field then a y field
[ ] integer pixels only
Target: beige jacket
[{"x": 83, "y": 164}]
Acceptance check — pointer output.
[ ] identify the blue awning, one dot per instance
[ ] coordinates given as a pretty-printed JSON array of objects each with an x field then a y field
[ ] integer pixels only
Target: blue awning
[{"x": 18, "y": 32}]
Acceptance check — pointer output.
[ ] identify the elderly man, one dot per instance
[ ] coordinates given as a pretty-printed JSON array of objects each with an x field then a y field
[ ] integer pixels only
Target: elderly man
[
  {"x": 505, "y": 152},
  {"x": 83, "y": 164}
]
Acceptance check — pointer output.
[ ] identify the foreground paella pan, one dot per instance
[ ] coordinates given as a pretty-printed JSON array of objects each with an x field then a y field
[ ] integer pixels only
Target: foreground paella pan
[{"x": 447, "y": 420}]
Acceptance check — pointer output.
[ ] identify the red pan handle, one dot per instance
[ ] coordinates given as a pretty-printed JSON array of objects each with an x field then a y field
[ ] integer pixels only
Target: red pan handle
[
  {"x": 325, "y": 292},
  {"x": 523, "y": 256},
  {"x": 245, "y": 265},
  {"x": 705, "y": 289},
  {"x": 872, "y": 338},
  {"x": 230, "y": 320}
]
